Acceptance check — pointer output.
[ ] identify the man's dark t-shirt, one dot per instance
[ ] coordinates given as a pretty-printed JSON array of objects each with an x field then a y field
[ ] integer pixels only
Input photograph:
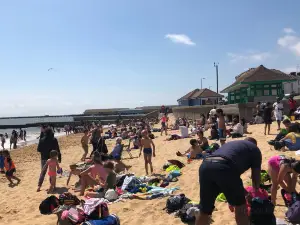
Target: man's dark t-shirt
[{"x": 242, "y": 154}]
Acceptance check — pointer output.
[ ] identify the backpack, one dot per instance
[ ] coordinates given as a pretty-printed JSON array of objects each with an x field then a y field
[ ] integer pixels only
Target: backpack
[
  {"x": 293, "y": 213},
  {"x": 186, "y": 213},
  {"x": 175, "y": 203},
  {"x": 67, "y": 198},
  {"x": 48, "y": 205},
  {"x": 262, "y": 212}
]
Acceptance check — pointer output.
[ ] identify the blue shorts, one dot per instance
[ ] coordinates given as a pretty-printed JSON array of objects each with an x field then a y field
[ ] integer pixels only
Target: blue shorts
[
  {"x": 198, "y": 156},
  {"x": 147, "y": 151},
  {"x": 1, "y": 162},
  {"x": 222, "y": 137}
]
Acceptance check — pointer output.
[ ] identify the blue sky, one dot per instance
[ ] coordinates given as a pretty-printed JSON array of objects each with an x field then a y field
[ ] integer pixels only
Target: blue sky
[{"x": 135, "y": 52}]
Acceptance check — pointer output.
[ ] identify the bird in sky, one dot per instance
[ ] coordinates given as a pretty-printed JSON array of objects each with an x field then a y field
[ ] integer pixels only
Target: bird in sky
[{"x": 50, "y": 69}]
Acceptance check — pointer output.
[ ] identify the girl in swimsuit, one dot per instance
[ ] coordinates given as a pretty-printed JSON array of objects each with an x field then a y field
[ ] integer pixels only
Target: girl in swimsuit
[
  {"x": 284, "y": 172},
  {"x": 52, "y": 165}
]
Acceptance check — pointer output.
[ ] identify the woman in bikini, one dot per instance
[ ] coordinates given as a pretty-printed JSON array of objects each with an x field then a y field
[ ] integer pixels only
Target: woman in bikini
[{"x": 284, "y": 172}]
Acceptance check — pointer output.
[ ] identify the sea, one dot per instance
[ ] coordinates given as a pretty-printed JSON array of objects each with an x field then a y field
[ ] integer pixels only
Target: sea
[{"x": 32, "y": 133}]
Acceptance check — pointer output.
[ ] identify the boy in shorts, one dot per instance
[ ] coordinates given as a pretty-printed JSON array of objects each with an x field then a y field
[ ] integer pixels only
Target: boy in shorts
[
  {"x": 148, "y": 148},
  {"x": 221, "y": 126}
]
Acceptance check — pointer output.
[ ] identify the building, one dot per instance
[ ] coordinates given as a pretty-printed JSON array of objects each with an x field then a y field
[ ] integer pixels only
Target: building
[
  {"x": 258, "y": 84},
  {"x": 200, "y": 97},
  {"x": 292, "y": 86}
]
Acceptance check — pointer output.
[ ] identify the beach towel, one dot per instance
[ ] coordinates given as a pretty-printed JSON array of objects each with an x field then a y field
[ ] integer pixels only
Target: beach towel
[
  {"x": 130, "y": 183},
  {"x": 172, "y": 168}
]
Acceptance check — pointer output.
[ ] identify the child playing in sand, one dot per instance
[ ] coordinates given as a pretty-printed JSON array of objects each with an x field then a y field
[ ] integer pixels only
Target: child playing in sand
[
  {"x": 52, "y": 166},
  {"x": 85, "y": 144},
  {"x": 194, "y": 152},
  {"x": 10, "y": 168},
  {"x": 203, "y": 142},
  {"x": 148, "y": 148},
  {"x": 221, "y": 126}
]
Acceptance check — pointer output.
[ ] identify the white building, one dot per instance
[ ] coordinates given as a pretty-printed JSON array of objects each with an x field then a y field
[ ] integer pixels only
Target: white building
[{"x": 292, "y": 86}]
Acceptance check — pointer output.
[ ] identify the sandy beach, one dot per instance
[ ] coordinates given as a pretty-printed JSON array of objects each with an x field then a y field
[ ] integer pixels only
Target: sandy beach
[{"x": 19, "y": 205}]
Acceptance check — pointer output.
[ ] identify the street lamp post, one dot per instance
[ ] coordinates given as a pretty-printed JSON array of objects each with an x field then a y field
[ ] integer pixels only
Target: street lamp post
[
  {"x": 201, "y": 81},
  {"x": 217, "y": 75}
]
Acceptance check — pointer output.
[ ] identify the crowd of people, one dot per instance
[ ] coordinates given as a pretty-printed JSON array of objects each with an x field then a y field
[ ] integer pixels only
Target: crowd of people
[{"x": 220, "y": 169}]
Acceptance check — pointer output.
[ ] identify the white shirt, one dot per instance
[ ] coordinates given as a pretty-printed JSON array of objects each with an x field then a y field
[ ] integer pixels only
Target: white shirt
[
  {"x": 213, "y": 112},
  {"x": 238, "y": 128},
  {"x": 278, "y": 107}
]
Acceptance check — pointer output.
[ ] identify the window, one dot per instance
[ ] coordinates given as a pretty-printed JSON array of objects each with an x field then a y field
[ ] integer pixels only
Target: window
[
  {"x": 232, "y": 97},
  {"x": 266, "y": 86},
  {"x": 274, "y": 85},
  {"x": 266, "y": 92},
  {"x": 258, "y": 92},
  {"x": 252, "y": 93},
  {"x": 274, "y": 92},
  {"x": 258, "y": 86},
  {"x": 237, "y": 97}
]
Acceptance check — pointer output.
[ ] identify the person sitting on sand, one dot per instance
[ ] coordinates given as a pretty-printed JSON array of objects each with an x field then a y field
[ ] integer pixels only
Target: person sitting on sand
[
  {"x": 10, "y": 168},
  {"x": 94, "y": 175},
  {"x": 148, "y": 148},
  {"x": 284, "y": 172},
  {"x": 245, "y": 126},
  {"x": 203, "y": 142},
  {"x": 220, "y": 173},
  {"x": 291, "y": 140},
  {"x": 237, "y": 129},
  {"x": 110, "y": 183},
  {"x": 52, "y": 166},
  {"x": 194, "y": 152}
]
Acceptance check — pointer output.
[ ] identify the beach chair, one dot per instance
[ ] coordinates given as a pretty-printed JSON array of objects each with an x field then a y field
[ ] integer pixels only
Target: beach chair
[{"x": 127, "y": 149}]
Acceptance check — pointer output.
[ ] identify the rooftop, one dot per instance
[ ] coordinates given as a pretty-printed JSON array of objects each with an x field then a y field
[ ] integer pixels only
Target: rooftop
[
  {"x": 259, "y": 74},
  {"x": 200, "y": 93}
]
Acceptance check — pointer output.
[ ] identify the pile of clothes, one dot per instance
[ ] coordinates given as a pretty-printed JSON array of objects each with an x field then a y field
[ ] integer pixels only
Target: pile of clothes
[{"x": 70, "y": 210}]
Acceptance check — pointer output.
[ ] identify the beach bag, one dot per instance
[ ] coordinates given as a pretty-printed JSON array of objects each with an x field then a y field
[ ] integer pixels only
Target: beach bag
[
  {"x": 176, "y": 163},
  {"x": 76, "y": 216},
  {"x": 67, "y": 198},
  {"x": 130, "y": 183},
  {"x": 95, "y": 208},
  {"x": 175, "y": 203},
  {"x": 262, "y": 212},
  {"x": 48, "y": 205},
  {"x": 109, "y": 220},
  {"x": 111, "y": 195},
  {"x": 293, "y": 213}
]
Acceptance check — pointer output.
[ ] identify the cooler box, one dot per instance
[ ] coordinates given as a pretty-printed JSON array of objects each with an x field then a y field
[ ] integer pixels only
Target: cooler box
[{"x": 184, "y": 131}]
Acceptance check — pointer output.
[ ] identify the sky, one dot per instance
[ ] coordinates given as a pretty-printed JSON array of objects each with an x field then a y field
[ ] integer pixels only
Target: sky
[{"x": 62, "y": 57}]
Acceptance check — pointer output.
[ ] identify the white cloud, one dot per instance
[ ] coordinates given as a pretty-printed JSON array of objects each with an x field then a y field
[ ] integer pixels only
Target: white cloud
[
  {"x": 256, "y": 57},
  {"x": 180, "y": 38},
  {"x": 288, "y": 30},
  {"x": 290, "y": 42},
  {"x": 287, "y": 40}
]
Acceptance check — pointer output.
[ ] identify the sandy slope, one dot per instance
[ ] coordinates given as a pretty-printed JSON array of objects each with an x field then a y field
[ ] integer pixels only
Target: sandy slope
[{"x": 19, "y": 205}]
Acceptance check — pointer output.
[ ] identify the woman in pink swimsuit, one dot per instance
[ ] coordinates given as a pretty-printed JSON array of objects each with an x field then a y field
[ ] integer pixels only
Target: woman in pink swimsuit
[
  {"x": 94, "y": 175},
  {"x": 284, "y": 172}
]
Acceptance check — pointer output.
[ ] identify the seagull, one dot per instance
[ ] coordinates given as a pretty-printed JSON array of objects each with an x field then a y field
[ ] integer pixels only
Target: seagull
[{"x": 50, "y": 69}]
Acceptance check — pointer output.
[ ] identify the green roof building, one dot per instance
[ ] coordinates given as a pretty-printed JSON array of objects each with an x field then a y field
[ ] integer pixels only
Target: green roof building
[{"x": 257, "y": 84}]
